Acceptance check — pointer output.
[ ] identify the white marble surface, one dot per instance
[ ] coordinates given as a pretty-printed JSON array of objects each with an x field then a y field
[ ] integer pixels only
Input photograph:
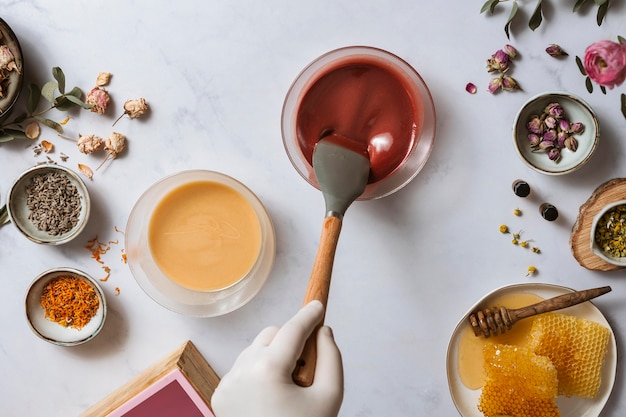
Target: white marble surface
[{"x": 408, "y": 266}]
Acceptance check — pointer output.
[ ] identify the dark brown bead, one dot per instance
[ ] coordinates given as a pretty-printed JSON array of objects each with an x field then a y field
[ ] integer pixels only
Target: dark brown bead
[{"x": 521, "y": 188}]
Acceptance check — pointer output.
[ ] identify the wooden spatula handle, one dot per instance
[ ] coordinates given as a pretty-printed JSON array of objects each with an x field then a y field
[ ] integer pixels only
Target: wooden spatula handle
[{"x": 318, "y": 288}]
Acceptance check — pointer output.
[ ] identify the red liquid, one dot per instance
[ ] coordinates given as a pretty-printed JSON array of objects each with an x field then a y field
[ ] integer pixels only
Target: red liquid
[{"x": 368, "y": 102}]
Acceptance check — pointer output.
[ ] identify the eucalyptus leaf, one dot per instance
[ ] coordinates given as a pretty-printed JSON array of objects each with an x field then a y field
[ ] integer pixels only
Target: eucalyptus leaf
[
  {"x": 48, "y": 89},
  {"x": 5, "y": 137},
  {"x": 50, "y": 123},
  {"x": 602, "y": 9},
  {"x": 514, "y": 8},
  {"x": 621, "y": 39},
  {"x": 58, "y": 75},
  {"x": 20, "y": 118},
  {"x": 75, "y": 92},
  {"x": 600, "y": 2},
  {"x": 78, "y": 102},
  {"x": 489, "y": 5},
  {"x": 34, "y": 95},
  {"x": 603, "y": 89},
  {"x": 581, "y": 67},
  {"x": 623, "y": 99},
  {"x": 63, "y": 103},
  {"x": 589, "y": 85},
  {"x": 579, "y": 4},
  {"x": 16, "y": 134},
  {"x": 536, "y": 18}
]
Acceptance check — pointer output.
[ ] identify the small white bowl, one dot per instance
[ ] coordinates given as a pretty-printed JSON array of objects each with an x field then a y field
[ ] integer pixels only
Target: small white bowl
[
  {"x": 576, "y": 110},
  {"x": 169, "y": 293},
  {"x": 18, "y": 211},
  {"x": 595, "y": 248},
  {"x": 53, "y": 332}
]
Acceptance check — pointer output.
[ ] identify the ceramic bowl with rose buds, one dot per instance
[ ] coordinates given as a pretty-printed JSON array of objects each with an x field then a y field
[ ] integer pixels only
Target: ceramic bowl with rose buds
[
  {"x": 11, "y": 69},
  {"x": 555, "y": 133}
]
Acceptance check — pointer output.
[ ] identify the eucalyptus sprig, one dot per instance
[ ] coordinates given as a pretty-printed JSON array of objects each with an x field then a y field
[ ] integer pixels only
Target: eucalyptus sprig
[
  {"x": 55, "y": 94},
  {"x": 536, "y": 18}
]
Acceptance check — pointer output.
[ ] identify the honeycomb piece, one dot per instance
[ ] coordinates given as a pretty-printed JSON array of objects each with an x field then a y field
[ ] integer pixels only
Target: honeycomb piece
[
  {"x": 518, "y": 383},
  {"x": 577, "y": 348}
]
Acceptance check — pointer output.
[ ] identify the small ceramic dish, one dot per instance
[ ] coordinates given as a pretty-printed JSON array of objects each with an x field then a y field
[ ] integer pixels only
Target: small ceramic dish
[
  {"x": 12, "y": 84},
  {"x": 56, "y": 333},
  {"x": 575, "y": 110},
  {"x": 209, "y": 239},
  {"x": 18, "y": 211},
  {"x": 609, "y": 225}
]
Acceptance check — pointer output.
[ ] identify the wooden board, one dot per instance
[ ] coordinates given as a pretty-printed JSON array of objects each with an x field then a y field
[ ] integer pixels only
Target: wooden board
[
  {"x": 185, "y": 362},
  {"x": 580, "y": 239}
]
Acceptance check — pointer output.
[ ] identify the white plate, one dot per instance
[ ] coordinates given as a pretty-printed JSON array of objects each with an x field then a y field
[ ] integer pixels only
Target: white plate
[{"x": 466, "y": 400}]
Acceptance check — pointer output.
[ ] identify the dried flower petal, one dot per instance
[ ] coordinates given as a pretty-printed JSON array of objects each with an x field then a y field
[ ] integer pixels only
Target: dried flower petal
[
  {"x": 85, "y": 170},
  {"x": 99, "y": 99},
  {"x": 32, "y": 131},
  {"x": 46, "y": 146},
  {"x": 470, "y": 88},
  {"x": 89, "y": 143},
  {"x": 103, "y": 79}
]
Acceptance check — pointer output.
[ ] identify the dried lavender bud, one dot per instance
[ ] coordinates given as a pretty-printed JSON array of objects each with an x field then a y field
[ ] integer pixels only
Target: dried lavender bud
[
  {"x": 521, "y": 188},
  {"x": 548, "y": 212}
]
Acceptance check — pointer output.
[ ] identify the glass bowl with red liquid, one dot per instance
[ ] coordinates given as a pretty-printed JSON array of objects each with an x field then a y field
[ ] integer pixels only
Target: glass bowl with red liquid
[{"x": 370, "y": 96}]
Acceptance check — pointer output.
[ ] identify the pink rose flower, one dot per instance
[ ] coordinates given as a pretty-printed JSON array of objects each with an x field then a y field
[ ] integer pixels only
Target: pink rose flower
[{"x": 605, "y": 63}]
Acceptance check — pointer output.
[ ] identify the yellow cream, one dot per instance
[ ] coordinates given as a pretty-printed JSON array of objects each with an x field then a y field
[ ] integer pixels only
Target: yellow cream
[{"x": 204, "y": 236}]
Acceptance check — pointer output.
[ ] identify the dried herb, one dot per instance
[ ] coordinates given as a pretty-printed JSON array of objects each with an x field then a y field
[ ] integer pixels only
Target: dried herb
[
  {"x": 610, "y": 234},
  {"x": 54, "y": 203}
]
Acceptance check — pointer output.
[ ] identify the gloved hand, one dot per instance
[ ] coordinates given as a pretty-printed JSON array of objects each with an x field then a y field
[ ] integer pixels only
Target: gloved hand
[{"x": 260, "y": 382}]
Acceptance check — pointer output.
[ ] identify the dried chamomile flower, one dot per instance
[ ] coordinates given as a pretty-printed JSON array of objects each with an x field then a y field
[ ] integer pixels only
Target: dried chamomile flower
[
  {"x": 504, "y": 228},
  {"x": 134, "y": 108},
  {"x": 85, "y": 170},
  {"x": 103, "y": 79},
  {"x": 531, "y": 270},
  {"x": 99, "y": 98},
  {"x": 517, "y": 212},
  {"x": 32, "y": 131},
  {"x": 88, "y": 144}
]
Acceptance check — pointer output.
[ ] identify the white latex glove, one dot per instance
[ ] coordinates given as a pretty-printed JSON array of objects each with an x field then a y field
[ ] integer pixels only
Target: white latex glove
[{"x": 260, "y": 382}]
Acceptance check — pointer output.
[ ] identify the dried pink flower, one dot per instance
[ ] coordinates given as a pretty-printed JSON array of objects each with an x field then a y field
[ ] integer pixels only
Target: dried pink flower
[
  {"x": 89, "y": 143},
  {"x": 99, "y": 99},
  {"x": 470, "y": 88}
]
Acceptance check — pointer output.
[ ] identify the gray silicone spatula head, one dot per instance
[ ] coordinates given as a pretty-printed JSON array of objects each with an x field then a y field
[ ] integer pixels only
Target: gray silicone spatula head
[{"x": 342, "y": 169}]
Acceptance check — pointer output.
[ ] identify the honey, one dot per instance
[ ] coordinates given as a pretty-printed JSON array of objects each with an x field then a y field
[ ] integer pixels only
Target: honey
[
  {"x": 576, "y": 346},
  {"x": 470, "y": 353},
  {"x": 519, "y": 383}
]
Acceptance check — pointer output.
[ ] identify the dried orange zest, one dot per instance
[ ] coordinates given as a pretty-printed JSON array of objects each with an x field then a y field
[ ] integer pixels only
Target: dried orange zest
[
  {"x": 69, "y": 301},
  {"x": 108, "y": 271},
  {"x": 117, "y": 290}
]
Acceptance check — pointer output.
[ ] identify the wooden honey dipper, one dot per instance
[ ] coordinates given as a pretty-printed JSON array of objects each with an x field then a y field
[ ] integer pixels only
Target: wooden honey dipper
[{"x": 492, "y": 321}]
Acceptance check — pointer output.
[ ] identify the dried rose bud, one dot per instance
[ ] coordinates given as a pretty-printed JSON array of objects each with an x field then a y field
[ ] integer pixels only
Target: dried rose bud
[
  {"x": 554, "y": 154},
  {"x": 555, "y": 51},
  {"x": 534, "y": 139},
  {"x": 564, "y": 124},
  {"x": 7, "y": 60},
  {"x": 134, "y": 109},
  {"x": 89, "y": 143},
  {"x": 510, "y": 84},
  {"x": 115, "y": 144},
  {"x": 549, "y": 135},
  {"x": 99, "y": 99},
  {"x": 571, "y": 143},
  {"x": 554, "y": 109},
  {"x": 103, "y": 79},
  {"x": 470, "y": 88},
  {"x": 560, "y": 139},
  {"x": 499, "y": 61},
  {"x": 577, "y": 127},
  {"x": 550, "y": 122},
  {"x": 535, "y": 125},
  {"x": 494, "y": 85},
  {"x": 510, "y": 51},
  {"x": 546, "y": 145}
]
